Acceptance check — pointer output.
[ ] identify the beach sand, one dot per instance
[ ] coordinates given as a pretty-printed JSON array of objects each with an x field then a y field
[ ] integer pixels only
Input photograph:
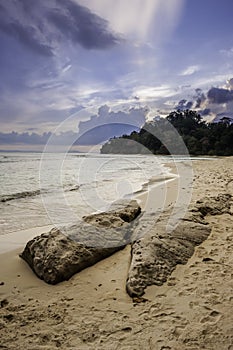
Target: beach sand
[{"x": 191, "y": 311}]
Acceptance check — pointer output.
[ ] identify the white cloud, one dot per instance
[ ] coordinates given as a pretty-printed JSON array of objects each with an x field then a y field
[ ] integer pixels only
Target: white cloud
[
  {"x": 135, "y": 17},
  {"x": 190, "y": 70},
  {"x": 206, "y": 82},
  {"x": 66, "y": 68},
  {"x": 228, "y": 53},
  {"x": 230, "y": 83},
  {"x": 148, "y": 93},
  {"x": 124, "y": 15}
]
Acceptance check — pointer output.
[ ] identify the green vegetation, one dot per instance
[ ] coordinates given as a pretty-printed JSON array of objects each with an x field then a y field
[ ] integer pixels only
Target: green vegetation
[{"x": 163, "y": 136}]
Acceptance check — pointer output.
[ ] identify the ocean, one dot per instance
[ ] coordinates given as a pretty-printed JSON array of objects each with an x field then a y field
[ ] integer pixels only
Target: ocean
[{"x": 40, "y": 189}]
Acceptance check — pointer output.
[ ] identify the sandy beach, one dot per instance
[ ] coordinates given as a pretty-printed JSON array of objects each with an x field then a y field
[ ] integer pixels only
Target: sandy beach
[{"x": 191, "y": 311}]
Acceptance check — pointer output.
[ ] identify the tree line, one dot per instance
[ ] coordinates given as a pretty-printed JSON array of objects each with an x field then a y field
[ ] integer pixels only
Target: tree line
[{"x": 170, "y": 135}]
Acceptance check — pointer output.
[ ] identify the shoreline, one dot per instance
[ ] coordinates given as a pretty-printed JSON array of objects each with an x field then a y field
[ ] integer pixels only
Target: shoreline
[
  {"x": 162, "y": 187},
  {"x": 156, "y": 185},
  {"x": 18, "y": 239},
  {"x": 92, "y": 310},
  {"x": 15, "y": 240}
]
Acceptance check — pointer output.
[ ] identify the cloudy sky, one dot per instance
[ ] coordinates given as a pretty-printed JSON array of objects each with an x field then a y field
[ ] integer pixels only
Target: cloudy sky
[{"x": 59, "y": 56}]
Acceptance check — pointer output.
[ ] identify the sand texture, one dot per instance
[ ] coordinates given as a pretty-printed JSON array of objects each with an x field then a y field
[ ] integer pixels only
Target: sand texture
[{"x": 191, "y": 311}]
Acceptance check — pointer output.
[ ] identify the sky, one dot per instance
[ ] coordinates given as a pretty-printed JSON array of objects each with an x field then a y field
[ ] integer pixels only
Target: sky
[{"x": 68, "y": 64}]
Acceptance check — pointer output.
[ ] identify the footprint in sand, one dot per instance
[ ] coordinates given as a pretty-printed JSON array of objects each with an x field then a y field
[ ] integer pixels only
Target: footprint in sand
[
  {"x": 213, "y": 317},
  {"x": 4, "y": 303},
  {"x": 155, "y": 308}
]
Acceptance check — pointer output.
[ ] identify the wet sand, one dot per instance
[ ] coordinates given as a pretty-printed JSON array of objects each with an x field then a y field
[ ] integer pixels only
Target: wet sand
[{"x": 192, "y": 310}]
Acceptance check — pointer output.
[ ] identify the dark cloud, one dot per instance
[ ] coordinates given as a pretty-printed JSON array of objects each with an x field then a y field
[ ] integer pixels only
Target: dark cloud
[
  {"x": 26, "y": 35},
  {"x": 94, "y": 136},
  {"x": 26, "y": 138},
  {"x": 15, "y": 138},
  {"x": 213, "y": 105},
  {"x": 199, "y": 98},
  {"x": 183, "y": 105},
  {"x": 27, "y": 5},
  {"x": 205, "y": 112},
  {"x": 217, "y": 103},
  {"x": 82, "y": 26},
  {"x": 44, "y": 26},
  {"x": 2, "y": 8},
  {"x": 227, "y": 117},
  {"x": 219, "y": 96}
]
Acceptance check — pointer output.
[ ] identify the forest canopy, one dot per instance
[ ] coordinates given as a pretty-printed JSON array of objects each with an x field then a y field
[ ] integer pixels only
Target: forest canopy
[{"x": 163, "y": 136}]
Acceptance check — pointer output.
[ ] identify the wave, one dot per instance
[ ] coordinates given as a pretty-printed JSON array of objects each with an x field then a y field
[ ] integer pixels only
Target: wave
[
  {"x": 72, "y": 188},
  {"x": 19, "y": 195},
  {"x": 17, "y": 159},
  {"x": 8, "y": 161},
  {"x": 27, "y": 194},
  {"x": 157, "y": 180}
]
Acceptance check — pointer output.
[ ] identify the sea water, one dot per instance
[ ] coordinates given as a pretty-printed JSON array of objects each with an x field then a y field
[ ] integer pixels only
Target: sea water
[{"x": 41, "y": 189}]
